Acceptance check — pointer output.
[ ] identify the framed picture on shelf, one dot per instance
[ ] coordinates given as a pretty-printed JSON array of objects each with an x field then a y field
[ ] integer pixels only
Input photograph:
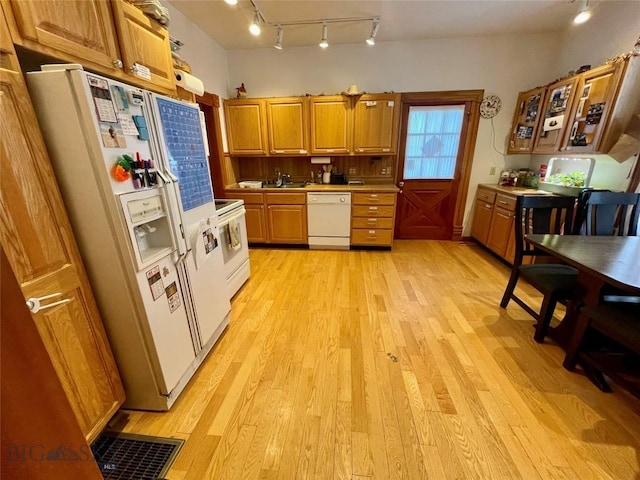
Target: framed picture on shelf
[
  {"x": 586, "y": 90},
  {"x": 580, "y": 108}
]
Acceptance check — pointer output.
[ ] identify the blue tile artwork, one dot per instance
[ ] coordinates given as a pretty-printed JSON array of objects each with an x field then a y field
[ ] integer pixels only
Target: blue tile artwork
[{"x": 187, "y": 155}]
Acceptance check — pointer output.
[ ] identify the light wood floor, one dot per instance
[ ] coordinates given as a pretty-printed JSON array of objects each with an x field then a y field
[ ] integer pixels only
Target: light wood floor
[{"x": 389, "y": 365}]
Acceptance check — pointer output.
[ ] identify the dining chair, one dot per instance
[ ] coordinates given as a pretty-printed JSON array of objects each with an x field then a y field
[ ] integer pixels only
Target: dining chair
[
  {"x": 540, "y": 215},
  {"x": 619, "y": 322},
  {"x": 612, "y": 213}
]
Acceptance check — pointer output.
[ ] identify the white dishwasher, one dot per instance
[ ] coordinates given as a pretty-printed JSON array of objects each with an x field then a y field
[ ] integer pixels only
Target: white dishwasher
[{"x": 329, "y": 219}]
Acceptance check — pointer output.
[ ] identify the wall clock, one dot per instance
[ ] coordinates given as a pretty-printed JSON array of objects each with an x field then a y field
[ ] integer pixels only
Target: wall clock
[{"x": 490, "y": 106}]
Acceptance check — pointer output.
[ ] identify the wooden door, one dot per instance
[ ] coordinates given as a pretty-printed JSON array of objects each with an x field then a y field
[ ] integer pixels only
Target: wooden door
[
  {"x": 437, "y": 141},
  {"x": 526, "y": 121},
  {"x": 331, "y": 125},
  {"x": 37, "y": 238},
  {"x": 288, "y": 125},
  {"x": 595, "y": 98},
  {"x": 36, "y": 415},
  {"x": 144, "y": 41},
  {"x": 82, "y": 28},
  {"x": 375, "y": 124},
  {"x": 246, "y": 126},
  {"x": 556, "y": 108}
]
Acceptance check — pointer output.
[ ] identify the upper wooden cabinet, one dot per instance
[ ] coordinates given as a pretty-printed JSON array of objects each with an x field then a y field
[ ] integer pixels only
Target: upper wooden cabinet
[
  {"x": 585, "y": 113},
  {"x": 555, "y": 113},
  {"x": 109, "y": 37},
  {"x": 592, "y": 109},
  {"x": 145, "y": 43},
  {"x": 375, "y": 127},
  {"x": 82, "y": 29},
  {"x": 246, "y": 126},
  {"x": 331, "y": 124},
  {"x": 526, "y": 121},
  {"x": 288, "y": 125}
]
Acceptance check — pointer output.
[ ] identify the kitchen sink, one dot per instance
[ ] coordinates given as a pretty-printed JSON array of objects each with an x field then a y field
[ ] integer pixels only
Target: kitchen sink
[{"x": 293, "y": 185}]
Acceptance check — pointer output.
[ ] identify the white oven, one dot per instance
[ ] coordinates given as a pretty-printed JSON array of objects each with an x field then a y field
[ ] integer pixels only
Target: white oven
[{"x": 233, "y": 239}]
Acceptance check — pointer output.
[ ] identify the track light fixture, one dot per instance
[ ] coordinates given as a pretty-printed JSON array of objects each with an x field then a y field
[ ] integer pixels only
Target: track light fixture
[
  {"x": 374, "y": 31},
  {"x": 279, "y": 35},
  {"x": 324, "y": 43},
  {"x": 254, "y": 28},
  {"x": 584, "y": 14},
  {"x": 258, "y": 19}
]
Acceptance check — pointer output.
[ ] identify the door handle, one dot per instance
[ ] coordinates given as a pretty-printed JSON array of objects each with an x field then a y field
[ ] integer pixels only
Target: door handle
[
  {"x": 34, "y": 303},
  {"x": 401, "y": 184}
]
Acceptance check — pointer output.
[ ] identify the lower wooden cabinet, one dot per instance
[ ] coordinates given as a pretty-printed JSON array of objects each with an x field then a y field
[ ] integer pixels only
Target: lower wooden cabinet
[
  {"x": 275, "y": 217},
  {"x": 493, "y": 221},
  {"x": 372, "y": 219},
  {"x": 287, "y": 217}
]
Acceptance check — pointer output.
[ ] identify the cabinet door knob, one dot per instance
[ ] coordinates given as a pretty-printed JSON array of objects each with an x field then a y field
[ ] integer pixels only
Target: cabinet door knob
[{"x": 117, "y": 63}]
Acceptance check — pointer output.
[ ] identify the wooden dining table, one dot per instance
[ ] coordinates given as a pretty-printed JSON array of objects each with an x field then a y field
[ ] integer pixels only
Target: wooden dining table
[{"x": 600, "y": 260}]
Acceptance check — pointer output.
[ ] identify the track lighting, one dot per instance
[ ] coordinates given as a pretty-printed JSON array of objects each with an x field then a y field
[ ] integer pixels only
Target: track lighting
[
  {"x": 231, "y": 2},
  {"x": 254, "y": 28},
  {"x": 374, "y": 31},
  {"x": 278, "y": 44},
  {"x": 584, "y": 14},
  {"x": 324, "y": 43}
]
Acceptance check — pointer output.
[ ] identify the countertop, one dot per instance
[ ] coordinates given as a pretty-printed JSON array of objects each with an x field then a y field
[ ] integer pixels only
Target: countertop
[
  {"x": 517, "y": 191},
  {"x": 390, "y": 188}
]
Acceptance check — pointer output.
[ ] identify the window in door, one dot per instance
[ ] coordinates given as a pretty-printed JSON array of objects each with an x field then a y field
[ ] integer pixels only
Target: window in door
[{"x": 433, "y": 137}]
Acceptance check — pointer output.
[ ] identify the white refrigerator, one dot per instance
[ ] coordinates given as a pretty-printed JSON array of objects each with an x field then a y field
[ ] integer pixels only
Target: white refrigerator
[{"x": 134, "y": 175}]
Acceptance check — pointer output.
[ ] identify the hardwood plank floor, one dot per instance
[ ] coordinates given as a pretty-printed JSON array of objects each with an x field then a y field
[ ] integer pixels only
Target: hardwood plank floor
[{"x": 391, "y": 365}]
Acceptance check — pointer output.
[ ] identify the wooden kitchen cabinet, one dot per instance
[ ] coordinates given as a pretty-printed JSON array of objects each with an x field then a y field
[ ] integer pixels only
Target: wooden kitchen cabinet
[
  {"x": 493, "y": 220},
  {"x": 288, "y": 125},
  {"x": 483, "y": 209},
  {"x": 526, "y": 121},
  {"x": 376, "y": 118},
  {"x": 592, "y": 109},
  {"x": 143, "y": 41},
  {"x": 38, "y": 241},
  {"x": 108, "y": 37},
  {"x": 555, "y": 112},
  {"x": 246, "y": 126},
  {"x": 331, "y": 124},
  {"x": 254, "y": 216},
  {"x": 372, "y": 219},
  {"x": 501, "y": 227},
  {"x": 287, "y": 217}
]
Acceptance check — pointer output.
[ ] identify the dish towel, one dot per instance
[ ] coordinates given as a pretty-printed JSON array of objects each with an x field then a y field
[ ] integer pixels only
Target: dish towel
[{"x": 234, "y": 234}]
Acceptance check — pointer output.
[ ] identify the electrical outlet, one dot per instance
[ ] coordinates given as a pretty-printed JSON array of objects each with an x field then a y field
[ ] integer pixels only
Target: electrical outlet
[
  {"x": 383, "y": 171},
  {"x": 353, "y": 171},
  {"x": 492, "y": 171}
]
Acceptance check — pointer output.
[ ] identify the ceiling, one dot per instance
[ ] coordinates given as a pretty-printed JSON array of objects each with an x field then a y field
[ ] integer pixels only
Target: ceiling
[{"x": 401, "y": 20}]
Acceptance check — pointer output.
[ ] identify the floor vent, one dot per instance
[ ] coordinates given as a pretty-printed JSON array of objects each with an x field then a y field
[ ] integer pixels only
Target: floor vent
[{"x": 124, "y": 456}]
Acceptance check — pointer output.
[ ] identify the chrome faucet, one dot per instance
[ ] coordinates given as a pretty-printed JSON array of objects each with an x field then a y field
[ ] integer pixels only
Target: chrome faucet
[{"x": 286, "y": 178}]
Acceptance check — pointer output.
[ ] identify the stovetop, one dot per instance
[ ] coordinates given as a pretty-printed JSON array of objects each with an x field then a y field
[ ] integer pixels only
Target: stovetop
[{"x": 226, "y": 205}]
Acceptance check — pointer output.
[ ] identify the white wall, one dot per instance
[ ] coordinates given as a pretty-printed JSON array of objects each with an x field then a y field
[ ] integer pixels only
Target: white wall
[{"x": 207, "y": 58}]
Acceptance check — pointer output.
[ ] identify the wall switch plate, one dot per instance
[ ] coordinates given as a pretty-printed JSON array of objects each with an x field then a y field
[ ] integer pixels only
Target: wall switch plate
[
  {"x": 492, "y": 171},
  {"x": 353, "y": 171}
]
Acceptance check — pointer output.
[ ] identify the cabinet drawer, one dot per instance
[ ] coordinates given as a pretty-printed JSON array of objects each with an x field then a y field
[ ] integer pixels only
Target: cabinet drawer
[
  {"x": 374, "y": 198},
  {"x": 286, "y": 198},
  {"x": 373, "y": 211},
  {"x": 485, "y": 195},
  {"x": 506, "y": 202},
  {"x": 249, "y": 198},
  {"x": 362, "y": 236},
  {"x": 371, "y": 222}
]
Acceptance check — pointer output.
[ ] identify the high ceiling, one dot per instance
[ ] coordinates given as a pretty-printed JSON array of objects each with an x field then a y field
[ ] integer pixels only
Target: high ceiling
[{"x": 401, "y": 20}]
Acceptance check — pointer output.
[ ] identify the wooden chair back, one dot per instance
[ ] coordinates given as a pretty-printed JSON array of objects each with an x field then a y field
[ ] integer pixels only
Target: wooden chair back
[
  {"x": 612, "y": 213},
  {"x": 540, "y": 215}
]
